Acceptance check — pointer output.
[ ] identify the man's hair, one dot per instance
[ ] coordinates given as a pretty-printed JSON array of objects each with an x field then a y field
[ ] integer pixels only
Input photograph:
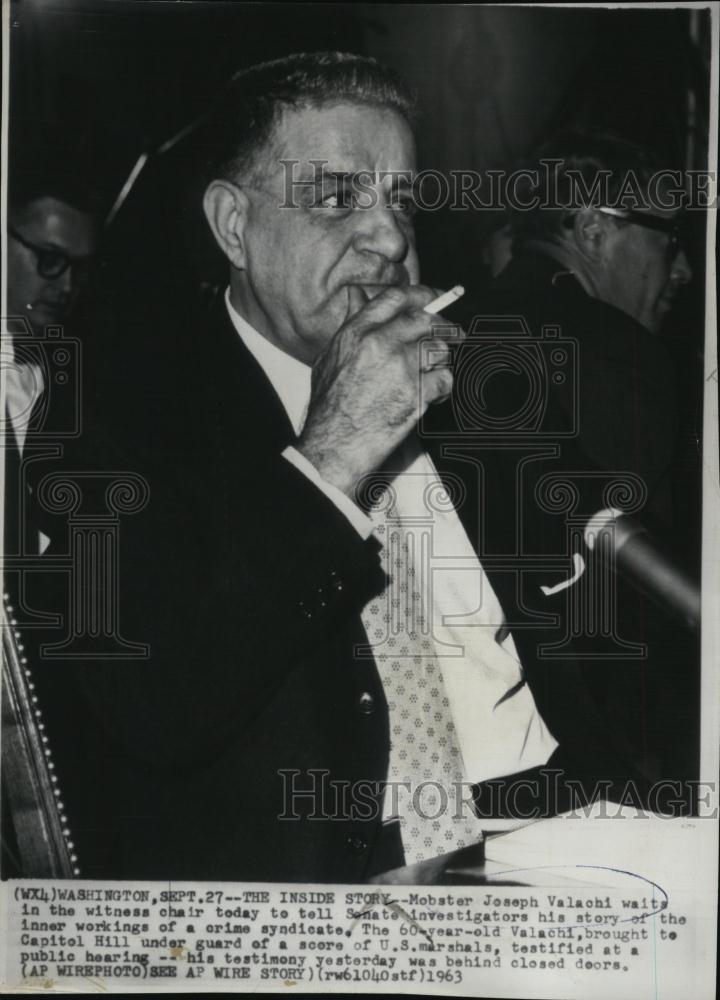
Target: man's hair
[
  {"x": 579, "y": 168},
  {"x": 247, "y": 111}
]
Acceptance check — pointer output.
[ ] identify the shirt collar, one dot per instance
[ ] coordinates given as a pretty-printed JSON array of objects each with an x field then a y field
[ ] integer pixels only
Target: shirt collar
[{"x": 291, "y": 379}]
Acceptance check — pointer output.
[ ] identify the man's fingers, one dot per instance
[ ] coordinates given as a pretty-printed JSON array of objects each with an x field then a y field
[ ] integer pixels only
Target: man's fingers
[
  {"x": 419, "y": 326},
  {"x": 434, "y": 353},
  {"x": 436, "y": 385},
  {"x": 393, "y": 301},
  {"x": 356, "y": 301},
  {"x": 449, "y": 332}
]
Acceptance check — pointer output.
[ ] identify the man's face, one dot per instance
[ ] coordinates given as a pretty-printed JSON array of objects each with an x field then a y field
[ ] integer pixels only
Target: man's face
[
  {"x": 644, "y": 272},
  {"x": 45, "y": 224},
  {"x": 301, "y": 261}
]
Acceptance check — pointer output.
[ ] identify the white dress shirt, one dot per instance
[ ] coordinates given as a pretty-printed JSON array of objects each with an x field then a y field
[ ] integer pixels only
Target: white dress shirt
[
  {"x": 499, "y": 732},
  {"x": 24, "y": 385}
]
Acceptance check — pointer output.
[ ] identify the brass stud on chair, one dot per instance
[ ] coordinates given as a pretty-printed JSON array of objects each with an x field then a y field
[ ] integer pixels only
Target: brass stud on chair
[{"x": 47, "y": 753}]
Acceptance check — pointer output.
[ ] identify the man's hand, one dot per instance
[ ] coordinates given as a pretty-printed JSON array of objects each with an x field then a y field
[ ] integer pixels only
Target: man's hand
[{"x": 371, "y": 385}]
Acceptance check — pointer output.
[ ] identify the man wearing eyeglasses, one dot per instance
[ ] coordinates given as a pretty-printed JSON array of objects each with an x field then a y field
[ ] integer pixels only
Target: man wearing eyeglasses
[
  {"x": 599, "y": 259},
  {"x": 51, "y": 239},
  {"x": 599, "y": 248},
  {"x": 50, "y": 242}
]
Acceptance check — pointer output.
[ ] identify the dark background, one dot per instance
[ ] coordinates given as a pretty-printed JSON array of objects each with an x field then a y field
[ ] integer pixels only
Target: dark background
[
  {"x": 95, "y": 83},
  {"x": 102, "y": 81}
]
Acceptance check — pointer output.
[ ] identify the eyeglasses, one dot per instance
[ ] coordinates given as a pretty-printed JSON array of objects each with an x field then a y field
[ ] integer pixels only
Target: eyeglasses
[
  {"x": 676, "y": 228},
  {"x": 50, "y": 262}
]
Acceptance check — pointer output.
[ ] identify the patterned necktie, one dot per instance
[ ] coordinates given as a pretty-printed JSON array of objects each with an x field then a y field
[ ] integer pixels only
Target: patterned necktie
[{"x": 424, "y": 750}]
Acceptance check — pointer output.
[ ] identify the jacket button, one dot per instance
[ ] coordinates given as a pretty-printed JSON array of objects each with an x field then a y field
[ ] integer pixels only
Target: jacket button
[
  {"x": 356, "y": 845},
  {"x": 366, "y": 704}
]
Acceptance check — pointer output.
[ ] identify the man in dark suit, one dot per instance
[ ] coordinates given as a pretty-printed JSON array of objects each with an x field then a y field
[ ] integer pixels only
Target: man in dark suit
[
  {"x": 302, "y": 653},
  {"x": 598, "y": 261},
  {"x": 51, "y": 239}
]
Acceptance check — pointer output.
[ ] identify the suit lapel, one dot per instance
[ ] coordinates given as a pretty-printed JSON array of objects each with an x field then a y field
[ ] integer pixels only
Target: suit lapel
[{"x": 241, "y": 398}]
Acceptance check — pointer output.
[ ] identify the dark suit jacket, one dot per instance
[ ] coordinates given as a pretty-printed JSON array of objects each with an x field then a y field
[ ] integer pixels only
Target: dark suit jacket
[
  {"x": 247, "y": 583},
  {"x": 609, "y": 415}
]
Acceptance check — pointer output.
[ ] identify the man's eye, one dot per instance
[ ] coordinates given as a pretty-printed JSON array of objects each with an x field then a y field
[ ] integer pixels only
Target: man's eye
[
  {"x": 334, "y": 201},
  {"x": 53, "y": 259},
  {"x": 404, "y": 204}
]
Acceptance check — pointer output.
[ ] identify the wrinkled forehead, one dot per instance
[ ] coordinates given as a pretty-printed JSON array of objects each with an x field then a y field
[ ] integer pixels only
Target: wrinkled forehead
[{"x": 344, "y": 137}]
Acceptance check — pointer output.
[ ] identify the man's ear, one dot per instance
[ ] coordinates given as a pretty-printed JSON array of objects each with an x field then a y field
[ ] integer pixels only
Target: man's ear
[
  {"x": 226, "y": 209},
  {"x": 590, "y": 232}
]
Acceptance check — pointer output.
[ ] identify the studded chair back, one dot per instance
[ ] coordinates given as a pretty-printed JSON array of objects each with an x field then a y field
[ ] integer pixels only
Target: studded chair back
[{"x": 41, "y": 845}]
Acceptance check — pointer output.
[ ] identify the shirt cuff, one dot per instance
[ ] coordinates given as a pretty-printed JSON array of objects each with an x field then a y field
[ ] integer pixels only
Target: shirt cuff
[{"x": 359, "y": 520}]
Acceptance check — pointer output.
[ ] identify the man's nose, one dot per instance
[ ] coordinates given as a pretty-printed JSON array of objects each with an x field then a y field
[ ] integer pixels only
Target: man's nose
[
  {"x": 680, "y": 270},
  {"x": 64, "y": 282},
  {"x": 380, "y": 231}
]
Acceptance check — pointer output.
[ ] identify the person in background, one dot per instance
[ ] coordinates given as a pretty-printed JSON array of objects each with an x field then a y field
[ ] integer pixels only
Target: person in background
[
  {"x": 603, "y": 269},
  {"x": 52, "y": 232},
  {"x": 497, "y": 247},
  {"x": 51, "y": 239}
]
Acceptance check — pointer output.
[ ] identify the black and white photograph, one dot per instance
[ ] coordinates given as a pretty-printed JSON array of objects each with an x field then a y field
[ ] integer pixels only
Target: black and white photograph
[{"x": 360, "y": 498}]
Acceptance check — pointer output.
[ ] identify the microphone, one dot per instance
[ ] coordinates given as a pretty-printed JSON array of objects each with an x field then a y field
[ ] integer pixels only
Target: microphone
[{"x": 640, "y": 559}]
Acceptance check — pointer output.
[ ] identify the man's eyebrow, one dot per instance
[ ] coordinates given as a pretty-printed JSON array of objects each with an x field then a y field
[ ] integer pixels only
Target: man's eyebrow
[
  {"x": 57, "y": 248},
  {"x": 351, "y": 176},
  {"x": 46, "y": 245},
  {"x": 318, "y": 179},
  {"x": 399, "y": 178},
  {"x": 338, "y": 176}
]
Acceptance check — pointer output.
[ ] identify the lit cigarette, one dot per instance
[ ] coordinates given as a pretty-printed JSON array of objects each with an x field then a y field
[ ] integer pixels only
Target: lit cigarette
[{"x": 446, "y": 299}]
